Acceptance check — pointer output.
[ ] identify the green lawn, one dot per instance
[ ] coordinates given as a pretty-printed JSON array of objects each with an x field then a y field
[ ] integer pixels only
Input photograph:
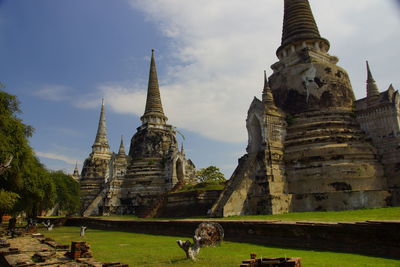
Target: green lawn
[
  {"x": 201, "y": 187},
  {"x": 392, "y": 213},
  {"x": 150, "y": 250}
]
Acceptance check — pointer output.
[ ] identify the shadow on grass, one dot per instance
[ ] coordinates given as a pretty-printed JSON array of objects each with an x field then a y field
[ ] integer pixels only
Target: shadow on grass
[
  {"x": 168, "y": 262},
  {"x": 175, "y": 261}
]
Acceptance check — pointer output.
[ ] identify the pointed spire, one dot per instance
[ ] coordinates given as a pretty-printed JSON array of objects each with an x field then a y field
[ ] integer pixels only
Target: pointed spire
[
  {"x": 182, "y": 150},
  {"x": 76, "y": 168},
  {"x": 76, "y": 175},
  {"x": 154, "y": 109},
  {"x": 299, "y": 23},
  {"x": 369, "y": 74},
  {"x": 267, "y": 96},
  {"x": 121, "y": 150},
  {"x": 101, "y": 141},
  {"x": 372, "y": 88}
]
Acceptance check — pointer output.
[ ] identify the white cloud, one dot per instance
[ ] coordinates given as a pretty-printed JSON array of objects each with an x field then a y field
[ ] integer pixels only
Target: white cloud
[
  {"x": 53, "y": 92},
  {"x": 223, "y": 47},
  {"x": 56, "y": 156},
  {"x": 123, "y": 99}
]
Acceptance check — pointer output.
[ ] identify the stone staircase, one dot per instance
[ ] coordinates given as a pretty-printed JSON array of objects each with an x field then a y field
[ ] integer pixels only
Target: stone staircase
[
  {"x": 236, "y": 188},
  {"x": 94, "y": 205},
  {"x": 90, "y": 189},
  {"x": 160, "y": 202}
]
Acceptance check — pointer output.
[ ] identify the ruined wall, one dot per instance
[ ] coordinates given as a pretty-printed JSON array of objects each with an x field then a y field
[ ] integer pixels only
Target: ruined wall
[
  {"x": 188, "y": 204},
  {"x": 257, "y": 186},
  {"x": 380, "y": 120}
]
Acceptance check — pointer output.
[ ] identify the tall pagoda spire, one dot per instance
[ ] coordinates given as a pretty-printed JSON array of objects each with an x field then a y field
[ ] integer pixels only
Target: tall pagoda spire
[
  {"x": 101, "y": 141},
  {"x": 267, "y": 96},
  {"x": 121, "y": 150},
  {"x": 372, "y": 88},
  {"x": 299, "y": 24},
  {"x": 154, "y": 111}
]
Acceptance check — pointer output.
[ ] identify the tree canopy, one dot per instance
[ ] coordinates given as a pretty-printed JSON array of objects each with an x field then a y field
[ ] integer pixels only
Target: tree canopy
[
  {"x": 211, "y": 174},
  {"x": 68, "y": 192},
  {"x": 25, "y": 184}
]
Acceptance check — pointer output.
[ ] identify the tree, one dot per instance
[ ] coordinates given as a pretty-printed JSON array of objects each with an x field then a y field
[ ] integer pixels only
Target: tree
[
  {"x": 7, "y": 200},
  {"x": 13, "y": 149},
  {"x": 25, "y": 184},
  {"x": 68, "y": 192},
  {"x": 38, "y": 192},
  {"x": 211, "y": 174}
]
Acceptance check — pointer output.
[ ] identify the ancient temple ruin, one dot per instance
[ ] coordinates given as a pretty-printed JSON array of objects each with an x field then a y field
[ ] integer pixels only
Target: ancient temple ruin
[
  {"x": 116, "y": 183},
  {"x": 311, "y": 146},
  {"x": 379, "y": 117}
]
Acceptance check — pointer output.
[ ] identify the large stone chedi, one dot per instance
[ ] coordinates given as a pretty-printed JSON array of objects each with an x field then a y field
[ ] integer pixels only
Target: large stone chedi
[
  {"x": 306, "y": 150},
  {"x": 135, "y": 183}
]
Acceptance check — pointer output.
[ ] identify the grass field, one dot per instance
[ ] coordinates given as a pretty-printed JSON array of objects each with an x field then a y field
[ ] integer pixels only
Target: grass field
[
  {"x": 150, "y": 250},
  {"x": 392, "y": 213}
]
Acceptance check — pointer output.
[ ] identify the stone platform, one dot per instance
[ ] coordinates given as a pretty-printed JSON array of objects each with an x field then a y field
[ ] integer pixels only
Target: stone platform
[{"x": 35, "y": 250}]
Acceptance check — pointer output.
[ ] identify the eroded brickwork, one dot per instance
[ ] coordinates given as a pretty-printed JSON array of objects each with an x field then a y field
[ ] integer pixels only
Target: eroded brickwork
[
  {"x": 307, "y": 151},
  {"x": 379, "y": 117}
]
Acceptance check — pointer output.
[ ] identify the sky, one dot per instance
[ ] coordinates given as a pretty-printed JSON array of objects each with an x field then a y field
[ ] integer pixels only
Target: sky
[{"x": 60, "y": 58}]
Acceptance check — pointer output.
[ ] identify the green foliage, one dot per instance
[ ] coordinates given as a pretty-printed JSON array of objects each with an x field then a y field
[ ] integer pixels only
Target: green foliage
[
  {"x": 25, "y": 177},
  {"x": 7, "y": 200},
  {"x": 202, "y": 187},
  {"x": 68, "y": 192},
  {"x": 13, "y": 133},
  {"x": 38, "y": 191},
  {"x": 210, "y": 174},
  {"x": 152, "y": 250},
  {"x": 290, "y": 119}
]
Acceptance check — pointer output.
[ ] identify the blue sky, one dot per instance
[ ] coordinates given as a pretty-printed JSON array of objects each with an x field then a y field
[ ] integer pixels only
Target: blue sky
[{"x": 61, "y": 57}]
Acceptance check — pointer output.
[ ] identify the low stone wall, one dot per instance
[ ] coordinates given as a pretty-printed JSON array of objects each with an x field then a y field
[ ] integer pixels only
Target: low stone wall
[
  {"x": 377, "y": 238},
  {"x": 188, "y": 204}
]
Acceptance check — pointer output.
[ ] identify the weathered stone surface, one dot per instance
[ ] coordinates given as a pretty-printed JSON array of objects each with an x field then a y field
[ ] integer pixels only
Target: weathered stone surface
[
  {"x": 306, "y": 150},
  {"x": 310, "y": 85},
  {"x": 379, "y": 116},
  {"x": 257, "y": 185},
  {"x": 133, "y": 184},
  {"x": 188, "y": 204}
]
